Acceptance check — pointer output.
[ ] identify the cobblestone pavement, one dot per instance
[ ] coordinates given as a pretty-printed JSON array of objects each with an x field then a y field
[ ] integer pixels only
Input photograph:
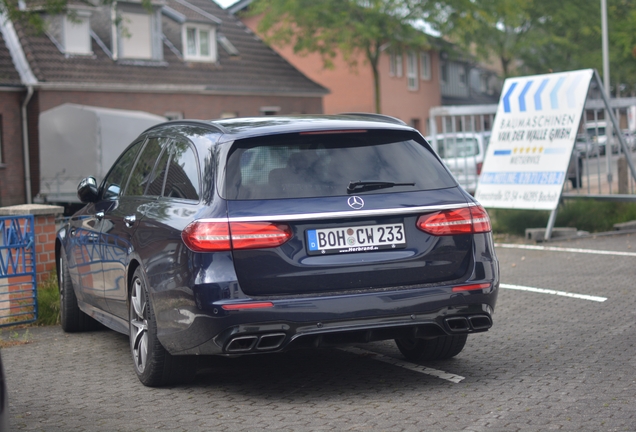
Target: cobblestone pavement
[{"x": 549, "y": 363}]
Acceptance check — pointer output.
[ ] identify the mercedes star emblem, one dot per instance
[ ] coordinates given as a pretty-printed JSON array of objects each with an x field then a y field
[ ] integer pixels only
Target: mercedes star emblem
[{"x": 355, "y": 202}]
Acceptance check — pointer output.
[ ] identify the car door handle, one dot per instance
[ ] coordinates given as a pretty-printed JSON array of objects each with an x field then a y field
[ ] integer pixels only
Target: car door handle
[
  {"x": 130, "y": 220},
  {"x": 99, "y": 215}
]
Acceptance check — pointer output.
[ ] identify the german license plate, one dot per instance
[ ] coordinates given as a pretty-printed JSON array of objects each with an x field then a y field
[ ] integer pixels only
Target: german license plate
[{"x": 355, "y": 239}]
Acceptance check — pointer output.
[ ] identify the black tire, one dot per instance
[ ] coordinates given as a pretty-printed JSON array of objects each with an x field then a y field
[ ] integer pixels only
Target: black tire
[
  {"x": 155, "y": 367},
  {"x": 72, "y": 318},
  {"x": 439, "y": 348}
]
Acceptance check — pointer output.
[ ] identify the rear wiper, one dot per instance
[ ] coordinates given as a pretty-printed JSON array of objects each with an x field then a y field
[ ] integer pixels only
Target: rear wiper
[{"x": 362, "y": 186}]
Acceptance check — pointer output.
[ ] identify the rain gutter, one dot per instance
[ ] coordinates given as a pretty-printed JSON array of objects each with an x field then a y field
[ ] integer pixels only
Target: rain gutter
[
  {"x": 28, "y": 79},
  {"x": 25, "y": 143}
]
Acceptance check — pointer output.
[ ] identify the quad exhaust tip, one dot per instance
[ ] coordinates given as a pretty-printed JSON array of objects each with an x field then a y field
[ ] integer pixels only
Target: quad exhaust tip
[
  {"x": 480, "y": 322},
  {"x": 467, "y": 324},
  {"x": 265, "y": 342}
]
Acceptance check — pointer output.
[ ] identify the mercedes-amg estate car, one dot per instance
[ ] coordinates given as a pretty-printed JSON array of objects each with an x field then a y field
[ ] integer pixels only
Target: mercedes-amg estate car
[{"x": 259, "y": 235}]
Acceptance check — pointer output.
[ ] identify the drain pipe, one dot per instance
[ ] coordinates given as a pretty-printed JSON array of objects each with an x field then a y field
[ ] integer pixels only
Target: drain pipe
[{"x": 25, "y": 143}]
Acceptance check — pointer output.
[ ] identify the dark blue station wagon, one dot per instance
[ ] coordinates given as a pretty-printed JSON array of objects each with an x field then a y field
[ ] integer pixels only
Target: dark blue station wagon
[{"x": 257, "y": 235}]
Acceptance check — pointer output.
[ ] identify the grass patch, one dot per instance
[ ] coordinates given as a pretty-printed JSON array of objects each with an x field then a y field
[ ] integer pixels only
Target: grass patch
[
  {"x": 582, "y": 214},
  {"x": 48, "y": 302},
  {"x": 9, "y": 338}
]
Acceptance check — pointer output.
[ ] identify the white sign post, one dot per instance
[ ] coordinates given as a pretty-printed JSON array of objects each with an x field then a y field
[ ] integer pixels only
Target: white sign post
[{"x": 532, "y": 138}]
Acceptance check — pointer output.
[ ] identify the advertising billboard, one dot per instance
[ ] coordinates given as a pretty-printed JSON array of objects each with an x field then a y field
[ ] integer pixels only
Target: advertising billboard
[{"x": 532, "y": 138}]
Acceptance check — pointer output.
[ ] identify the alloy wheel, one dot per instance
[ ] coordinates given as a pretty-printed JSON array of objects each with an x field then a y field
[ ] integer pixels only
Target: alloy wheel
[{"x": 138, "y": 326}]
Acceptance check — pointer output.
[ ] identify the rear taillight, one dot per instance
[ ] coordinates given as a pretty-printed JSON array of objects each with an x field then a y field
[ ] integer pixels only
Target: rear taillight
[
  {"x": 479, "y": 166},
  {"x": 472, "y": 287},
  {"x": 242, "y": 306},
  {"x": 469, "y": 220},
  {"x": 209, "y": 236},
  {"x": 256, "y": 235}
]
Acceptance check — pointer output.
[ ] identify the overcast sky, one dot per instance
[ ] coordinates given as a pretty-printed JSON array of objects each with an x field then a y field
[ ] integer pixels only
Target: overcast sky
[{"x": 225, "y": 3}]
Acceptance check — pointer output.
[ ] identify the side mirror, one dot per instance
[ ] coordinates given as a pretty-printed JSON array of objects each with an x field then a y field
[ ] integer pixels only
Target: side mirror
[{"x": 87, "y": 190}]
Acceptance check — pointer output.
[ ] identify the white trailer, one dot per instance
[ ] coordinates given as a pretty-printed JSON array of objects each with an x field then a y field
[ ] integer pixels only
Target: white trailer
[{"x": 77, "y": 141}]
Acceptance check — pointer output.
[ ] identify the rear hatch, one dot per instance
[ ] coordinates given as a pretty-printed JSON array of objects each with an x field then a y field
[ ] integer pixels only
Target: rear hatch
[{"x": 348, "y": 205}]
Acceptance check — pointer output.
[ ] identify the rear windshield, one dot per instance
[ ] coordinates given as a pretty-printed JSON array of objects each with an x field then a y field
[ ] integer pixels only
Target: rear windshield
[
  {"x": 457, "y": 147},
  {"x": 320, "y": 165}
]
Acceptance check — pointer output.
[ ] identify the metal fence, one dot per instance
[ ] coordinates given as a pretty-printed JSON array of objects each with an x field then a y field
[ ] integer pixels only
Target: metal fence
[
  {"x": 598, "y": 168},
  {"x": 18, "y": 289}
]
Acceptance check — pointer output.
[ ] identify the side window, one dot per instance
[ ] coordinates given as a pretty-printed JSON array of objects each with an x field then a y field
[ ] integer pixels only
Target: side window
[
  {"x": 158, "y": 176},
  {"x": 116, "y": 178},
  {"x": 143, "y": 172},
  {"x": 182, "y": 180}
]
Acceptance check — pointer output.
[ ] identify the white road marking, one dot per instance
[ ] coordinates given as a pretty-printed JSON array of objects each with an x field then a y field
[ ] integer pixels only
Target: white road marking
[
  {"x": 553, "y": 292},
  {"x": 562, "y": 249},
  {"x": 404, "y": 364}
]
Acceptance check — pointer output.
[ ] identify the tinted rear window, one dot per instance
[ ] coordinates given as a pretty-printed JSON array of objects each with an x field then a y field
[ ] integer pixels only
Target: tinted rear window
[{"x": 305, "y": 166}]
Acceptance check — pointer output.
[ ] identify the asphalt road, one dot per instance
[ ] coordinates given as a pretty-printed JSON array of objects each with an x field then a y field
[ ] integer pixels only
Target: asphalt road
[{"x": 561, "y": 356}]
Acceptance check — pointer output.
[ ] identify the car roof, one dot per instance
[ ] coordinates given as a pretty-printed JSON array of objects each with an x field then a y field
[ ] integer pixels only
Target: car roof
[
  {"x": 239, "y": 128},
  {"x": 248, "y": 127}
]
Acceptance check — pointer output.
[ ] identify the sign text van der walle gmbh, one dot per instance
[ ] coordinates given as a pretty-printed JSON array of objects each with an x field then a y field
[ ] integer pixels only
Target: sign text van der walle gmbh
[{"x": 532, "y": 139}]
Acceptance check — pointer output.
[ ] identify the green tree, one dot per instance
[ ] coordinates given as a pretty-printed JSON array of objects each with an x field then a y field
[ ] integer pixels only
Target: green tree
[
  {"x": 622, "y": 34},
  {"x": 565, "y": 35},
  {"x": 30, "y": 13},
  {"x": 543, "y": 36},
  {"x": 487, "y": 27},
  {"x": 349, "y": 27}
]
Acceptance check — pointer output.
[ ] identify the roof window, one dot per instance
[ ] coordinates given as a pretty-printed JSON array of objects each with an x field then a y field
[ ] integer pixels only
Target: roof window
[
  {"x": 199, "y": 43},
  {"x": 136, "y": 36},
  {"x": 71, "y": 32},
  {"x": 137, "y": 31}
]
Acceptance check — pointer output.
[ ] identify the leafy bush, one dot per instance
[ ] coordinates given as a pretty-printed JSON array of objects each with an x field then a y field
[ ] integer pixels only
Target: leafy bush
[
  {"x": 508, "y": 221},
  {"x": 583, "y": 214}
]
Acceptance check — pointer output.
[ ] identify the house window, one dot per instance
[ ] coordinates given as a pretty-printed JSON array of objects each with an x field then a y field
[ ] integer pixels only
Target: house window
[
  {"x": 411, "y": 70},
  {"x": 395, "y": 64},
  {"x": 136, "y": 41},
  {"x": 462, "y": 76},
  {"x": 444, "y": 72},
  {"x": 199, "y": 43},
  {"x": 483, "y": 83},
  {"x": 77, "y": 38},
  {"x": 70, "y": 33},
  {"x": 425, "y": 66},
  {"x": 269, "y": 110}
]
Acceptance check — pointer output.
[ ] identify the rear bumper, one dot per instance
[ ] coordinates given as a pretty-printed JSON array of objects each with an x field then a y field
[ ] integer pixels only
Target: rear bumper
[{"x": 328, "y": 320}]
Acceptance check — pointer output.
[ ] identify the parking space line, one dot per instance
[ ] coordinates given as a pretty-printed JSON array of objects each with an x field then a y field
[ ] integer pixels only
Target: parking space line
[
  {"x": 404, "y": 364},
  {"x": 553, "y": 292},
  {"x": 562, "y": 249}
]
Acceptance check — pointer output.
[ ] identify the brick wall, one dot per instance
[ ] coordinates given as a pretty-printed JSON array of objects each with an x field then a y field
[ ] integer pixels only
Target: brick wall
[
  {"x": 44, "y": 246},
  {"x": 12, "y": 168},
  {"x": 193, "y": 106}
]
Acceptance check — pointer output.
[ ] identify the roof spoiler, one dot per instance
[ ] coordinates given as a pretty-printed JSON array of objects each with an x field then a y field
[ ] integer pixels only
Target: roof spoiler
[{"x": 377, "y": 117}]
